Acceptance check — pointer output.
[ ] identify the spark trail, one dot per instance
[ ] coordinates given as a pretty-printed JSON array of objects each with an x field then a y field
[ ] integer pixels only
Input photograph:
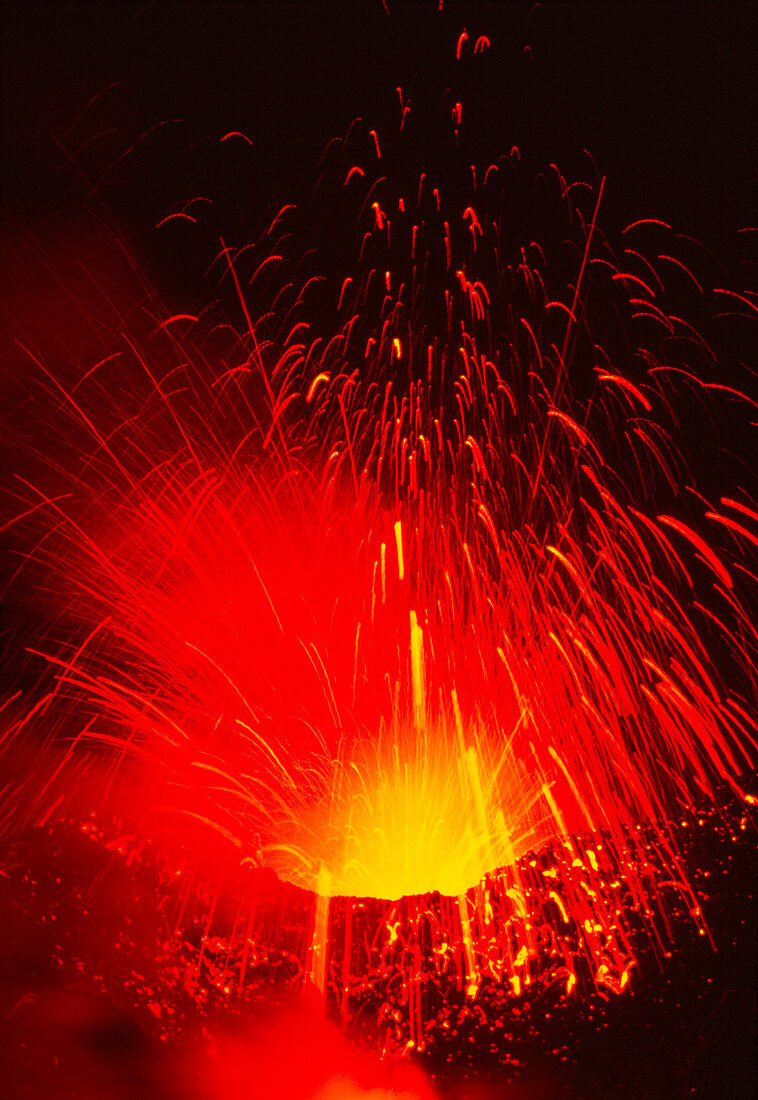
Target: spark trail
[{"x": 393, "y": 604}]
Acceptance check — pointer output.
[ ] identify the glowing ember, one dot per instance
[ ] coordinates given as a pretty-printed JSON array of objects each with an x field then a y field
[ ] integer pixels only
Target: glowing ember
[{"x": 376, "y": 607}]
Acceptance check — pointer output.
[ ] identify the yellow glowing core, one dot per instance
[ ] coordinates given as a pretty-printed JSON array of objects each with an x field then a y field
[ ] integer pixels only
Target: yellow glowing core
[{"x": 428, "y": 815}]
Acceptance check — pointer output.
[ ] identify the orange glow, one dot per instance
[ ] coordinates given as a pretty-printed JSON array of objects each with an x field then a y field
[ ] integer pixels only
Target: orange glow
[
  {"x": 429, "y": 819},
  {"x": 375, "y": 611}
]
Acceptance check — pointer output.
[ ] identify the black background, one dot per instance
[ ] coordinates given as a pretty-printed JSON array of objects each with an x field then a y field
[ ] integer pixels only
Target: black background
[
  {"x": 120, "y": 107},
  {"x": 662, "y": 94}
]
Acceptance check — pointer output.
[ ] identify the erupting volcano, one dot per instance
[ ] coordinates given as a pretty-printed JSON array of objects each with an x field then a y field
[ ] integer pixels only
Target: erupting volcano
[{"x": 394, "y": 584}]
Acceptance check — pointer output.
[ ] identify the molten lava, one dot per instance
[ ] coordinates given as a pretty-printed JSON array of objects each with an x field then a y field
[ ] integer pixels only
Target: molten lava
[{"x": 399, "y": 611}]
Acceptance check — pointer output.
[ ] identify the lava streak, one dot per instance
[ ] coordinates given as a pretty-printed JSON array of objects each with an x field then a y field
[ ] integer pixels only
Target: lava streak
[{"x": 398, "y": 609}]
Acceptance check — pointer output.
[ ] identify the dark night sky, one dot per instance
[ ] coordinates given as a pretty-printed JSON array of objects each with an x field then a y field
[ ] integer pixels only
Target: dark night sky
[
  {"x": 119, "y": 108},
  {"x": 662, "y": 94}
]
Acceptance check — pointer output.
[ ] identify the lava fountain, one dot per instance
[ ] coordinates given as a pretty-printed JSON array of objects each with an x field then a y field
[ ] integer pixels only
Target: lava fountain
[{"x": 398, "y": 609}]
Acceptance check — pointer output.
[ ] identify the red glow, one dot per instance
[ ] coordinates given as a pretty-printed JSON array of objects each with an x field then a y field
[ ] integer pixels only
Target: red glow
[
  {"x": 389, "y": 610},
  {"x": 327, "y": 1067}
]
